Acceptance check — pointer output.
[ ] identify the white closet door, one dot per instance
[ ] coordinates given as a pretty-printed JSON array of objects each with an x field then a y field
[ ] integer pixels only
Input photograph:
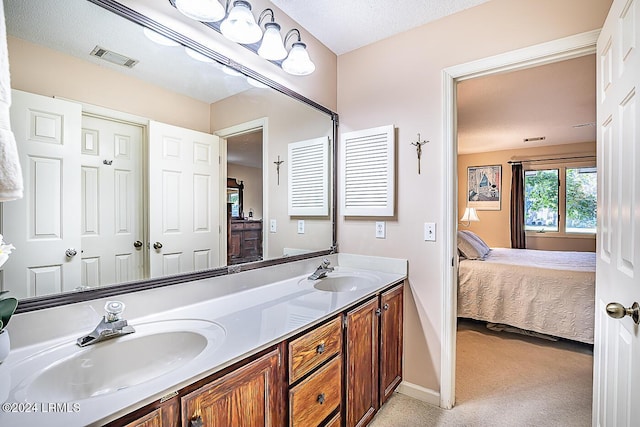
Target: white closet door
[
  {"x": 46, "y": 222},
  {"x": 112, "y": 202},
  {"x": 184, "y": 225}
]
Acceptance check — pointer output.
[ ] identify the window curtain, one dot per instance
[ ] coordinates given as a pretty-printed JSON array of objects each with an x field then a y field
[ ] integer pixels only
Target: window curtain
[{"x": 518, "y": 240}]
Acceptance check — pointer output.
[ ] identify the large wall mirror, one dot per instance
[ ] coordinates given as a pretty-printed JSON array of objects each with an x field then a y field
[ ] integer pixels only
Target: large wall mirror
[{"x": 127, "y": 139}]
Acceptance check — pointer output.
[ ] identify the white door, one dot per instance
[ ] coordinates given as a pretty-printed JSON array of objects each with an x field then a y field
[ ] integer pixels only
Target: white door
[
  {"x": 45, "y": 224},
  {"x": 617, "y": 341},
  {"x": 184, "y": 225},
  {"x": 112, "y": 202}
]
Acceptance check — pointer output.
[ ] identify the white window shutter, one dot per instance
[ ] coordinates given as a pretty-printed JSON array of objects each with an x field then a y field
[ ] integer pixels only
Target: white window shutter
[
  {"x": 308, "y": 168},
  {"x": 367, "y": 172}
]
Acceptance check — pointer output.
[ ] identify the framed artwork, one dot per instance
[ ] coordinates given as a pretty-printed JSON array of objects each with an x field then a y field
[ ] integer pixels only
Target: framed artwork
[{"x": 484, "y": 187}]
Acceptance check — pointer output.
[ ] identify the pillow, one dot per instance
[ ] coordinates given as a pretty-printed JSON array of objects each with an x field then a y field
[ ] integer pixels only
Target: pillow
[
  {"x": 474, "y": 236},
  {"x": 470, "y": 247}
]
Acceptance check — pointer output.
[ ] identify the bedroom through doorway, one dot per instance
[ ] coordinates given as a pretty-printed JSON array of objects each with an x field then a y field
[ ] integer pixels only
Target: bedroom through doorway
[{"x": 542, "y": 118}]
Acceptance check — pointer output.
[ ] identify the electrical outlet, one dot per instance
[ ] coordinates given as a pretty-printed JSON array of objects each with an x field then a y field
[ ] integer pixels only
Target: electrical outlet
[
  {"x": 380, "y": 230},
  {"x": 273, "y": 226},
  {"x": 430, "y": 231},
  {"x": 301, "y": 226}
]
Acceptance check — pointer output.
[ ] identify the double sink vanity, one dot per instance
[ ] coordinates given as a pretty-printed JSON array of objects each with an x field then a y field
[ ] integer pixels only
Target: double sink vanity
[{"x": 270, "y": 346}]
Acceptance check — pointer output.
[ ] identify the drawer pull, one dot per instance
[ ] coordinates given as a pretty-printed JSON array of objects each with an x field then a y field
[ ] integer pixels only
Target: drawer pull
[
  {"x": 196, "y": 422},
  {"x": 321, "y": 398},
  {"x": 320, "y": 349}
]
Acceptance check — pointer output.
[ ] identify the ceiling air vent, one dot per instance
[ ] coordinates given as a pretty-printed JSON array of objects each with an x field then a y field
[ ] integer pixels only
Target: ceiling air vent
[
  {"x": 535, "y": 139},
  {"x": 114, "y": 58}
]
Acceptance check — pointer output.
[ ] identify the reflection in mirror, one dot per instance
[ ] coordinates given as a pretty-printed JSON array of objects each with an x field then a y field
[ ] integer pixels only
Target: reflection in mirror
[
  {"x": 119, "y": 138},
  {"x": 234, "y": 198}
]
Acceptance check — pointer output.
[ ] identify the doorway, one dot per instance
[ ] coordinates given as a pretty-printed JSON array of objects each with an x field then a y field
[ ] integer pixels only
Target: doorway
[
  {"x": 243, "y": 154},
  {"x": 570, "y": 47}
]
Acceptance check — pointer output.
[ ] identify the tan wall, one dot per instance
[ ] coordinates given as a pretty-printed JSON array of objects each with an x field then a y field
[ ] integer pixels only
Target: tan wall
[
  {"x": 493, "y": 226},
  {"x": 252, "y": 193},
  {"x": 398, "y": 81},
  {"x": 288, "y": 121},
  {"x": 44, "y": 71}
]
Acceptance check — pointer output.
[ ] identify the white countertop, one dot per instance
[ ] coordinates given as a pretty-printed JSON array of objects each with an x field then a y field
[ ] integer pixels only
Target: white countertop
[{"x": 253, "y": 316}]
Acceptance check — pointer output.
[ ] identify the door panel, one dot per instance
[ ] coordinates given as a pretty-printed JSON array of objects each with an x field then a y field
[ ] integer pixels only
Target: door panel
[
  {"x": 112, "y": 202},
  {"x": 183, "y": 169},
  {"x": 47, "y": 133},
  {"x": 617, "y": 341}
]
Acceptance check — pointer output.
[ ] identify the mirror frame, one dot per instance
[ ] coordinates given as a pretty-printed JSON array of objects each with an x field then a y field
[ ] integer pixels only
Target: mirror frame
[
  {"x": 233, "y": 183},
  {"x": 38, "y": 303}
]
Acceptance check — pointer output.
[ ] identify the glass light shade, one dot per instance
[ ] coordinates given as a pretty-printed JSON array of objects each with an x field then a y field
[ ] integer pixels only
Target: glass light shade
[
  {"x": 159, "y": 38},
  {"x": 201, "y": 10},
  {"x": 272, "y": 47},
  {"x": 298, "y": 62},
  {"x": 470, "y": 215},
  {"x": 240, "y": 26},
  {"x": 197, "y": 55}
]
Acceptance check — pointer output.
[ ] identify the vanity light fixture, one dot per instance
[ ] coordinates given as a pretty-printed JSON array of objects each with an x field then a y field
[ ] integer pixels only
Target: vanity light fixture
[
  {"x": 201, "y": 10},
  {"x": 240, "y": 25},
  {"x": 470, "y": 215},
  {"x": 272, "y": 46},
  {"x": 298, "y": 62}
]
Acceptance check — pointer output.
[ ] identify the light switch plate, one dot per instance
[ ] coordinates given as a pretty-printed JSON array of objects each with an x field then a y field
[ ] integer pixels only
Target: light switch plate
[
  {"x": 301, "y": 226},
  {"x": 273, "y": 226},
  {"x": 381, "y": 230},
  {"x": 430, "y": 231}
]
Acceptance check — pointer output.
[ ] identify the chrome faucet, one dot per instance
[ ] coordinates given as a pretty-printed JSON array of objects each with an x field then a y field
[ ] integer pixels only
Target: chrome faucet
[
  {"x": 321, "y": 271},
  {"x": 111, "y": 325}
]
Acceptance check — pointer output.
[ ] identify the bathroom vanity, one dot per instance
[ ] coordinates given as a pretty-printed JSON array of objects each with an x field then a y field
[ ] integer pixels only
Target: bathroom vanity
[{"x": 267, "y": 347}]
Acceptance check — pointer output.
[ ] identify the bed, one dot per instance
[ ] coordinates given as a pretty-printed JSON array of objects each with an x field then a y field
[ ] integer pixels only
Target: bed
[{"x": 548, "y": 292}]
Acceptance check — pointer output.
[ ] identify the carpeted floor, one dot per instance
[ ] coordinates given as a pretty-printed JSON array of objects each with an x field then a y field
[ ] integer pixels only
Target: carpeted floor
[{"x": 506, "y": 379}]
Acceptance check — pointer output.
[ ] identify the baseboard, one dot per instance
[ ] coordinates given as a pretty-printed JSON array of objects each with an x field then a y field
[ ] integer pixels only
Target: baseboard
[{"x": 418, "y": 392}]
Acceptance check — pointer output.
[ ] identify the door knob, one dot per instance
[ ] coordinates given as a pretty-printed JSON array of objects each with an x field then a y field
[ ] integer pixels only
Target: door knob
[
  {"x": 70, "y": 253},
  {"x": 137, "y": 244},
  {"x": 157, "y": 245},
  {"x": 618, "y": 311}
]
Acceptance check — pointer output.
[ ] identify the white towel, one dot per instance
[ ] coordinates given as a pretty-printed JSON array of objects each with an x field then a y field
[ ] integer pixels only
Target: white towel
[{"x": 10, "y": 171}]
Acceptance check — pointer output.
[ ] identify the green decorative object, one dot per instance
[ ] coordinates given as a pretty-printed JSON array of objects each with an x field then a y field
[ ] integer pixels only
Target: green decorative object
[{"x": 7, "y": 308}]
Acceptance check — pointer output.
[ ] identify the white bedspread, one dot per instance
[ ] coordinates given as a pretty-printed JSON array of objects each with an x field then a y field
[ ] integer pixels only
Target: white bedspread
[{"x": 550, "y": 292}]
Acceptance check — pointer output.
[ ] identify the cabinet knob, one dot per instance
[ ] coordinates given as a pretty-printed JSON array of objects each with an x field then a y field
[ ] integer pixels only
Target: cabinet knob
[
  {"x": 378, "y": 312},
  {"x": 386, "y": 307},
  {"x": 196, "y": 421},
  {"x": 321, "y": 398},
  {"x": 320, "y": 349}
]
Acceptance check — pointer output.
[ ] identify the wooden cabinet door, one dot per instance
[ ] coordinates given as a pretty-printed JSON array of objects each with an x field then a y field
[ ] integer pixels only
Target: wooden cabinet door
[
  {"x": 362, "y": 363},
  {"x": 249, "y": 397},
  {"x": 391, "y": 303}
]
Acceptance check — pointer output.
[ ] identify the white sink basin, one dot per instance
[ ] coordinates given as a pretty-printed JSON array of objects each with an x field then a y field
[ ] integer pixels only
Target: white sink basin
[
  {"x": 71, "y": 373},
  {"x": 344, "y": 282}
]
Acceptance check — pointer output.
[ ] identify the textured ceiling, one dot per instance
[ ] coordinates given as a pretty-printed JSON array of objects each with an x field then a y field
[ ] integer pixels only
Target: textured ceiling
[
  {"x": 343, "y": 26},
  {"x": 497, "y": 112}
]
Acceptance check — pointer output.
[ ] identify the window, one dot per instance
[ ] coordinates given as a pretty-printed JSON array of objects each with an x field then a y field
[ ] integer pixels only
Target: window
[{"x": 560, "y": 200}]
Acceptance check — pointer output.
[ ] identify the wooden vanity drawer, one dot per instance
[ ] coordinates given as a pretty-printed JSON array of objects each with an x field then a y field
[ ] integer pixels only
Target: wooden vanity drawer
[
  {"x": 257, "y": 225},
  {"x": 315, "y": 398},
  {"x": 310, "y": 350}
]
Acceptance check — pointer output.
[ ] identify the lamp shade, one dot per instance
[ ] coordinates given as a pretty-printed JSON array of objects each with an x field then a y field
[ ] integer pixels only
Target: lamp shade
[
  {"x": 272, "y": 47},
  {"x": 201, "y": 10},
  {"x": 470, "y": 215},
  {"x": 298, "y": 62},
  {"x": 240, "y": 26}
]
